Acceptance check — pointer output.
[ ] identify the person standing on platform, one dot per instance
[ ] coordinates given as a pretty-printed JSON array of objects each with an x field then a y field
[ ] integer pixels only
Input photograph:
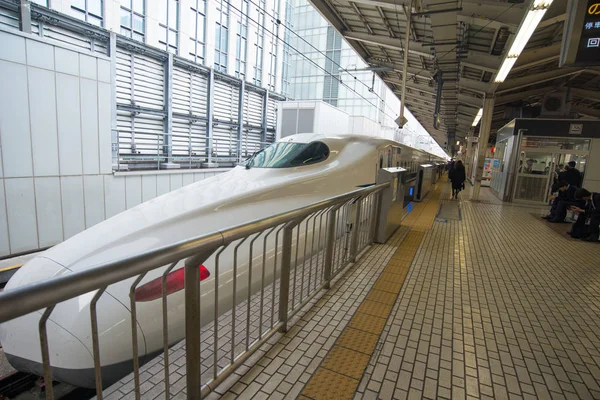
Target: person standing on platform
[
  {"x": 572, "y": 174},
  {"x": 458, "y": 176},
  {"x": 587, "y": 226}
]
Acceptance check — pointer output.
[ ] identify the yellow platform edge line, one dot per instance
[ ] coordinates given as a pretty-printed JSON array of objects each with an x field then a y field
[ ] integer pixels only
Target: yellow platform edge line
[
  {"x": 11, "y": 267},
  {"x": 331, "y": 379}
]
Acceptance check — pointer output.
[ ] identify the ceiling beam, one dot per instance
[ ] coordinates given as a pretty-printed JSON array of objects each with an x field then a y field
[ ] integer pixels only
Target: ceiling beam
[
  {"x": 484, "y": 21},
  {"x": 591, "y": 112},
  {"x": 586, "y": 94},
  {"x": 391, "y": 43},
  {"x": 509, "y": 98},
  {"x": 391, "y": 4},
  {"x": 470, "y": 100},
  {"x": 539, "y": 56},
  {"x": 411, "y": 71},
  {"x": 476, "y": 86},
  {"x": 510, "y": 85},
  {"x": 412, "y": 86},
  {"x": 552, "y": 21}
]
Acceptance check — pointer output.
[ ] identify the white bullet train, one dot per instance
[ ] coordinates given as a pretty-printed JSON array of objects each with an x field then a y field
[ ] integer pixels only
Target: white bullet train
[{"x": 291, "y": 173}]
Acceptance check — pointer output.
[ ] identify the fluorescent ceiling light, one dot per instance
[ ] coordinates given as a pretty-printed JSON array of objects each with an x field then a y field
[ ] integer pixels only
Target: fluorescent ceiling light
[
  {"x": 478, "y": 117},
  {"x": 530, "y": 23},
  {"x": 458, "y": 142}
]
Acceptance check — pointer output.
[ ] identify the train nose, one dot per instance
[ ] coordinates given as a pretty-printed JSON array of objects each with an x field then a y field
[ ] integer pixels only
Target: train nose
[{"x": 70, "y": 334}]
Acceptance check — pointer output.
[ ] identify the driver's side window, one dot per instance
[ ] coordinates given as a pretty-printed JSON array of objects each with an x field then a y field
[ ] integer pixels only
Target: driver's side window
[{"x": 314, "y": 153}]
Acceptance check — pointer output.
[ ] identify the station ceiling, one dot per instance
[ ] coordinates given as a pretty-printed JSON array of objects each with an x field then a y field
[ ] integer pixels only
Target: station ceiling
[{"x": 466, "y": 40}]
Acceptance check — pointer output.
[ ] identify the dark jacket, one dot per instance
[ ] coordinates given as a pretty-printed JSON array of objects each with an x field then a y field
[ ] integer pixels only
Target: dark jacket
[
  {"x": 593, "y": 205},
  {"x": 569, "y": 194},
  {"x": 458, "y": 175},
  {"x": 573, "y": 176}
]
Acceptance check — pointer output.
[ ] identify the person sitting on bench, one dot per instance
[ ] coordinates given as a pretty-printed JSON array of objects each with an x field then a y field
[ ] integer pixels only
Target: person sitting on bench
[
  {"x": 587, "y": 226},
  {"x": 562, "y": 201}
]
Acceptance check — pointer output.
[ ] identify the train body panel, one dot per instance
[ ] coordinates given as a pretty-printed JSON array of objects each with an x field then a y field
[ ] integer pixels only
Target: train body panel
[{"x": 233, "y": 198}]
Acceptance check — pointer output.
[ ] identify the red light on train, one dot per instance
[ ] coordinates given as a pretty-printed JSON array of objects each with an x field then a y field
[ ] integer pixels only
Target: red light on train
[{"x": 175, "y": 282}]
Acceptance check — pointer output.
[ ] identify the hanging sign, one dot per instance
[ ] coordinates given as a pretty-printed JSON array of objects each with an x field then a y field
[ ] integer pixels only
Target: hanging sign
[{"x": 581, "y": 34}]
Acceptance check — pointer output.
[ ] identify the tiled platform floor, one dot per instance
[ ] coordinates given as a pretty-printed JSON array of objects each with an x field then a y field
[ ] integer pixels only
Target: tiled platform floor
[{"x": 495, "y": 305}]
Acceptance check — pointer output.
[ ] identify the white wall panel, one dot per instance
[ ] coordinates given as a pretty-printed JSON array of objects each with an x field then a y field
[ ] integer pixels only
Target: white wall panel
[
  {"x": 13, "y": 48},
  {"x": 163, "y": 184},
  {"x": 104, "y": 128},
  {"x": 72, "y": 205},
  {"x": 89, "y": 126},
  {"x": 49, "y": 210},
  {"x": 20, "y": 206},
  {"x": 66, "y": 61},
  {"x": 114, "y": 195},
  {"x": 4, "y": 245},
  {"x": 93, "y": 188},
  {"x": 104, "y": 70},
  {"x": 14, "y": 120},
  {"x": 176, "y": 181},
  {"x": 42, "y": 108},
  {"x": 40, "y": 54},
  {"x": 148, "y": 187},
  {"x": 133, "y": 191},
  {"x": 87, "y": 67},
  {"x": 69, "y": 124},
  {"x": 198, "y": 176},
  {"x": 187, "y": 179}
]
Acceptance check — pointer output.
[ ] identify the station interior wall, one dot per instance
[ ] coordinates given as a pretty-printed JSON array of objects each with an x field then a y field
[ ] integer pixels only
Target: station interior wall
[{"x": 56, "y": 176}]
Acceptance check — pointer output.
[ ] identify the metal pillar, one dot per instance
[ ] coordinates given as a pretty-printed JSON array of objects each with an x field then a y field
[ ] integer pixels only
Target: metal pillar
[
  {"x": 240, "y": 132},
  {"x": 469, "y": 159},
  {"x": 112, "y": 53},
  {"x": 330, "y": 237},
  {"x": 193, "y": 323},
  {"x": 25, "y": 16},
  {"x": 355, "y": 230},
  {"x": 263, "y": 138},
  {"x": 405, "y": 72},
  {"x": 168, "y": 124},
  {"x": 484, "y": 134},
  {"x": 284, "y": 279},
  {"x": 209, "y": 115}
]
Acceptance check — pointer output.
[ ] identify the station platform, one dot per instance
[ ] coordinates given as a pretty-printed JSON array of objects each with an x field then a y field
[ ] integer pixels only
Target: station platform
[{"x": 466, "y": 300}]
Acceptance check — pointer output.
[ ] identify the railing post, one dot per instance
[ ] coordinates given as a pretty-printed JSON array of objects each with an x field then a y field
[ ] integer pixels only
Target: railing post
[
  {"x": 355, "y": 230},
  {"x": 192, "y": 331},
  {"x": 193, "y": 323},
  {"x": 331, "y": 223},
  {"x": 284, "y": 277},
  {"x": 375, "y": 216}
]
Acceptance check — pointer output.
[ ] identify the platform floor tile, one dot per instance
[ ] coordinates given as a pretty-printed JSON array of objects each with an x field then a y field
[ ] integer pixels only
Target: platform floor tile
[{"x": 496, "y": 305}]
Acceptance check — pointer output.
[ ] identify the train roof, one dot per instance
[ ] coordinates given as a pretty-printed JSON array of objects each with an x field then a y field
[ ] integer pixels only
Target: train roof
[{"x": 333, "y": 141}]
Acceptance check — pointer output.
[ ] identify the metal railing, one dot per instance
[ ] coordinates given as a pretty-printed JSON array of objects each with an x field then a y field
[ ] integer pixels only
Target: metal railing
[{"x": 263, "y": 273}]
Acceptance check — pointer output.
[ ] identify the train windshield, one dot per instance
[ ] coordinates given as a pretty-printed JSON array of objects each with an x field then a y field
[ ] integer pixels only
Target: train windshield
[{"x": 287, "y": 155}]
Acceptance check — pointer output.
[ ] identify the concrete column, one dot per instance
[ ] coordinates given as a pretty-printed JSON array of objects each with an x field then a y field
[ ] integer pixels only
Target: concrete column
[
  {"x": 469, "y": 159},
  {"x": 25, "y": 16},
  {"x": 484, "y": 134},
  {"x": 240, "y": 132}
]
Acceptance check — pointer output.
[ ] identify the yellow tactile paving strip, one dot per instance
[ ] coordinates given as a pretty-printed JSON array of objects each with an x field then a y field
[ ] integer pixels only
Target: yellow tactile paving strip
[{"x": 339, "y": 374}]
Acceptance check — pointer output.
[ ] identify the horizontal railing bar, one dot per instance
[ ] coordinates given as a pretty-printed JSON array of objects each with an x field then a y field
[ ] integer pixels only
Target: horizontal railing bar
[{"x": 24, "y": 300}]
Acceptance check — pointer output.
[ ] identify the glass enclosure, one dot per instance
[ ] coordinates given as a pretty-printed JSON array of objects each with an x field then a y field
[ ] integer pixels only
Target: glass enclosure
[{"x": 539, "y": 164}]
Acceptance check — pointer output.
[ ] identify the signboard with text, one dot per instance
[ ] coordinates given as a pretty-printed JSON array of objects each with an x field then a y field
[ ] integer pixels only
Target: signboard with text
[{"x": 581, "y": 35}]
